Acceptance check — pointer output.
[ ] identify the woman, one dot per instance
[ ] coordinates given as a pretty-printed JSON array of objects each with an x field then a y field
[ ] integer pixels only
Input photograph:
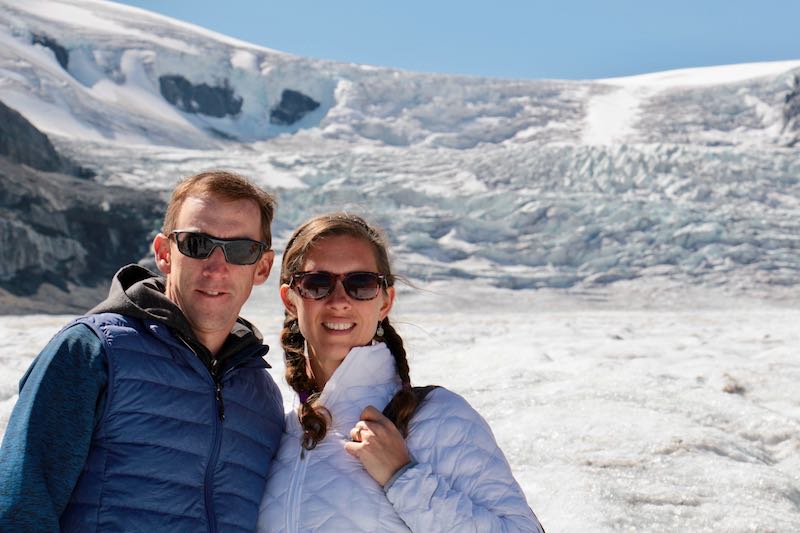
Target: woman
[{"x": 342, "y": 465}]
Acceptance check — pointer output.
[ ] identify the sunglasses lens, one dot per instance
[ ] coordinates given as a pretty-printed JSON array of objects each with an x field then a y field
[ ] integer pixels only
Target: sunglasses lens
[
  {"x": 316, "y": 285},
  {"x": 243, "y": 252},
  {"x": 362, "y": 285},
  {"x": 194, "y": 245}
]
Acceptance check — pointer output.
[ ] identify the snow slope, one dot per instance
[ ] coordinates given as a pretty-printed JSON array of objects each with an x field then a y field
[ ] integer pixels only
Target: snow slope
[{"x": 649, "y": 417}]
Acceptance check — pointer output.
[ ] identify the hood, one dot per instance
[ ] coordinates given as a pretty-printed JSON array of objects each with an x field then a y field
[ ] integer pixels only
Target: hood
[{"x": 139, "y": 293}]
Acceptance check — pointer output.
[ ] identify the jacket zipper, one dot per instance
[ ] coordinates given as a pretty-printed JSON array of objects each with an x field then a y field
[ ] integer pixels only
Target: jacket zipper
[
  {"x": 295, "y": 486},
  {"x": 209, "y": 481},
  {"x": 208, "y": 493},
  {"x": 218, "y": 388},
  {"x": 219, "y": 406}
]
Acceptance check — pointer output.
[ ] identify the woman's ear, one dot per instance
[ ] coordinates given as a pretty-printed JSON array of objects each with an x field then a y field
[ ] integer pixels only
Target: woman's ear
[
  {"x": 388, "y": 302},
  {"x": 286, "y": 298},
  {"x": 161, "y": 252}
]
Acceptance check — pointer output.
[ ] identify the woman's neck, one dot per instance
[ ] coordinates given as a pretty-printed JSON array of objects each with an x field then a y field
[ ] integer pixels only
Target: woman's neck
[{"x": 320, "y": 369}]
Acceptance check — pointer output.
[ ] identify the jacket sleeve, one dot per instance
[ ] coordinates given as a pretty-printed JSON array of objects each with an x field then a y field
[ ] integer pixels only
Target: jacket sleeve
[
  {"x": 47, "y": 440},
  {"x": 461, "y": 480}
]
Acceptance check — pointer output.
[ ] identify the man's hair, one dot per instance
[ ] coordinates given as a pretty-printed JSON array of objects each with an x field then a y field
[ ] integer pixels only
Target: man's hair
[{"x": 227, "y": 185}]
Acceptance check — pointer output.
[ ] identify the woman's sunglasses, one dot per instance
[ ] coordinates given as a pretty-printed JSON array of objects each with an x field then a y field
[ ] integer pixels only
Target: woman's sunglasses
[
  {"x": 319, "y": 285},
  {"x": 200, "y": 246}
]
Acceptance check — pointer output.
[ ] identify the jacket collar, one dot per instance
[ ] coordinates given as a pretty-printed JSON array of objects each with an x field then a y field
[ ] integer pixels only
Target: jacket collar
[{"x": 367, "y": 376}]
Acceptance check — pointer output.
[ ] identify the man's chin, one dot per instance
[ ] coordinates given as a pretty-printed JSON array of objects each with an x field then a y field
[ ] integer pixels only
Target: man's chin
[{"x": 211, "y": 320}]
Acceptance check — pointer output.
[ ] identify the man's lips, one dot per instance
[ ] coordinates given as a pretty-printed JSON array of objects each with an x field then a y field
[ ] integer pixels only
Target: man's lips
[{"x": 211, "y": 293}]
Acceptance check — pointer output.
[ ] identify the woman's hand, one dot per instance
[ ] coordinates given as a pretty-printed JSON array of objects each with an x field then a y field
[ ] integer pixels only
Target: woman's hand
[{"x": 378, "y": 444}]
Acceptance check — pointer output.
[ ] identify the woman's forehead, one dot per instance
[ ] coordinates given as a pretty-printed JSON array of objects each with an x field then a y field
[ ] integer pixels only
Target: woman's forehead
[{"x": 340, "y": 254}]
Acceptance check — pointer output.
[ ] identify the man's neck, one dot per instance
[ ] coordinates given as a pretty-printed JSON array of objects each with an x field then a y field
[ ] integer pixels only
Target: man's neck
[{"x": 212, "y": 342}]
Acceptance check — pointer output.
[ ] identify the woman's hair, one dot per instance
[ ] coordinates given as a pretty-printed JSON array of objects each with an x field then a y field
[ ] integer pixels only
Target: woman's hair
[{"x": 314, "y": 418}]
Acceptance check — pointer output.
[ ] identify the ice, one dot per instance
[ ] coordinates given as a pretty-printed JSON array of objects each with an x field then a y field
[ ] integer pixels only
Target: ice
[
  {"x": 615, "y": 411},
  {"x": 686, "y": 175}
]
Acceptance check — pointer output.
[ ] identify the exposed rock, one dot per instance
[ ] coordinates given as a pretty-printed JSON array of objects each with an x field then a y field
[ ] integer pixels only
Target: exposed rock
[
  {"x": 202, "y": 98},
  {"x": 293, "y": 106},
  {"x": 62, "y": 231},
  {"x": 62, "y": 56},
  {"x": 791, "y": 112},
  {"x": 24, "y": 144}
]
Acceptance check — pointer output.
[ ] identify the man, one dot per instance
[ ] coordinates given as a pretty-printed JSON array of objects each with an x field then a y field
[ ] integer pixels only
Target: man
[{"x": 155, "y": 411}]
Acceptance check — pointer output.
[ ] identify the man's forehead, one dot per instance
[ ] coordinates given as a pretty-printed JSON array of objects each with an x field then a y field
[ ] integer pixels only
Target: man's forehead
[{"x": 209, "y": 212}]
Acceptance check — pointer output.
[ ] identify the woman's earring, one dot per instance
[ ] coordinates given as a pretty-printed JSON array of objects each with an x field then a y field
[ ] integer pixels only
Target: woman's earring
[
  {"x": 379, "y": 331},
  {"x": 294, "y": 327}
]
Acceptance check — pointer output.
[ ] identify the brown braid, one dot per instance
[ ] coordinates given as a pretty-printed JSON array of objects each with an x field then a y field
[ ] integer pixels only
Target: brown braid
[
  {"x": 404, "y": 403},
  {"x": 314, "y": 419}
]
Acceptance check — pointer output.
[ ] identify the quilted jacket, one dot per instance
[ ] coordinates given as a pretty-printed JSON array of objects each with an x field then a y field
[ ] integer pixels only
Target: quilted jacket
[
  {"x": 162, "y": 456},
  {"x": 460, "y": 480}
]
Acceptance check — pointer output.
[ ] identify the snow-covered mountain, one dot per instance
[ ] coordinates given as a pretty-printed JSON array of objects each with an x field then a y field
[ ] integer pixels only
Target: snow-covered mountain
[{"x": 683, "y": 177}]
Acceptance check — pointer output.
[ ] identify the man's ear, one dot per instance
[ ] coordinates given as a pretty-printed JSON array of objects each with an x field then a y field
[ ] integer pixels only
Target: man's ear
[
  {"x": 388, "y": 302},
  {"x": 263, "y": 267},
  {"x": 161, "y": 252},
  {"x": 286, "y": 298}
]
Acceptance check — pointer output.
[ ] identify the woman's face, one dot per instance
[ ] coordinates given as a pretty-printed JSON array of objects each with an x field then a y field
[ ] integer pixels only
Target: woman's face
[{"x": 335, "y": 324}]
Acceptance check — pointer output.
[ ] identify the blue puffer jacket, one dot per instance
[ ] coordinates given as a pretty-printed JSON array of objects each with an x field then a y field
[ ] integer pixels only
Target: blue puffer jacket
[
  {"x": 172, "y": 452},
  {"x": 162, "y": 457}
]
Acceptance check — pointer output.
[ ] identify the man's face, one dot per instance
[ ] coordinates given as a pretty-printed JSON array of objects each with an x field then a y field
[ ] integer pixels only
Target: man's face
[{"x": 211, "y": 291}]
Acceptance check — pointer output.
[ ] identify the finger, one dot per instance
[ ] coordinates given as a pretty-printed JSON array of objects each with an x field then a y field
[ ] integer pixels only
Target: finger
[
  {"x": 357, "y": 432},
  {"x": 353, "y": 448}
]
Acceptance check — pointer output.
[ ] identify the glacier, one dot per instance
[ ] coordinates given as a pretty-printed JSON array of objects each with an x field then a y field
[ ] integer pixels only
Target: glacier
[{"x": 688, "y": 176}]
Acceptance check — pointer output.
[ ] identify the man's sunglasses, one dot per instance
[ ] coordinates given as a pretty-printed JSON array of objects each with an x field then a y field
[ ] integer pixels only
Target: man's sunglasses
[
  {"x": 319, "y": 285},
  {"x": 200, "y": 246}
]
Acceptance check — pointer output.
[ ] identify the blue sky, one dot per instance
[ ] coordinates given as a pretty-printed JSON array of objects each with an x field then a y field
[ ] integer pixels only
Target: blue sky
[{"x": 511, "y": 39}]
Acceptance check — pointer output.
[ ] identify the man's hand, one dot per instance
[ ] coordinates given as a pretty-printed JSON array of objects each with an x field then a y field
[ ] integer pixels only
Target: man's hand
[{"x": 378, "y": 444}]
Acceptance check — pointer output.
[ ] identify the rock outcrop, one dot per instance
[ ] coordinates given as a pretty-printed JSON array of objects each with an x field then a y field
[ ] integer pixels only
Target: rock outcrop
[
  {"x": 201, "y": 98},
  {"x": 24, "y": 144},
  {"x": 57, "y": 228},
  {"x": 293, "y": 106},
  {"x": 61, "y": 53},
  {"x": 59, "y": 232},
  {"x": 791, "y": 113}
]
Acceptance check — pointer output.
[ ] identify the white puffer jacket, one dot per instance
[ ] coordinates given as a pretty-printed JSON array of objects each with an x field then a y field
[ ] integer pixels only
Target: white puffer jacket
[{"x": 461, "y": 480}]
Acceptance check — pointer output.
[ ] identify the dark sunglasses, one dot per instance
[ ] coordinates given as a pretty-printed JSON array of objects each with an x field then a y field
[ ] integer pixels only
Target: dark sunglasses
[
  {"x": 200, "y": 246},
  {"x": 319, "y": 285}
]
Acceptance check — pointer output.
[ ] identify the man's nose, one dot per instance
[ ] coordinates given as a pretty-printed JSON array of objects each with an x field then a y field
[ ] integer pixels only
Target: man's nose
[{"x": 216, "y": 261}]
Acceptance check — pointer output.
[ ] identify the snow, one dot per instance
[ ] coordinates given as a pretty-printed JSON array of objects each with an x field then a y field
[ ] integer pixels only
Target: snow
[
  {"x": 700, "y": 76},
  {"x": 52, "y": 117},
  {"x": 83, "y": 16},
  {"x": 245, "y": 60},
  {"x": 610, "y": 117},
  {"x": 616, "y": 411}
]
